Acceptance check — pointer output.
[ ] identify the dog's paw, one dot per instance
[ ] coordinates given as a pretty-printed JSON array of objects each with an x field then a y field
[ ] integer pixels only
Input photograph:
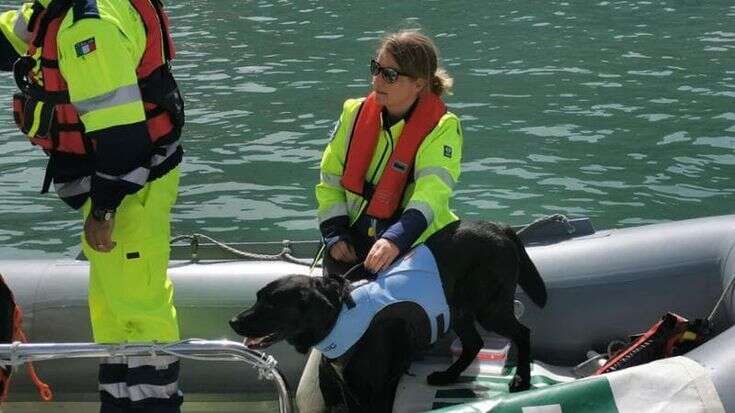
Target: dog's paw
[
  {"x": 518, "y": 384},
  {"x": 441, "y": 378}
]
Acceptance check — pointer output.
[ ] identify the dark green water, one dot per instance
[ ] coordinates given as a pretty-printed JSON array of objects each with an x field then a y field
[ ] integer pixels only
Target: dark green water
[{"x": 623, "y": 111}]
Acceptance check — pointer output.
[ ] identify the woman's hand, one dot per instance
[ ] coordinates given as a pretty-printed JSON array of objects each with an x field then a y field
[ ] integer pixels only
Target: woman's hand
[
  {"x": 342, "y": 251},
  {"x": 381, "y": 255}
]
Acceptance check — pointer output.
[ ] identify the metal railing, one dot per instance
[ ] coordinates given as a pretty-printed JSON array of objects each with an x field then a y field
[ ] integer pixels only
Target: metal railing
[{"x": 219, "y": 350}]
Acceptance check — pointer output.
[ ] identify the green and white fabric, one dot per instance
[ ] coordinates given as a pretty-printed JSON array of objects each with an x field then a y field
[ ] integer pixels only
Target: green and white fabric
[{"x": 671, "y": 385}]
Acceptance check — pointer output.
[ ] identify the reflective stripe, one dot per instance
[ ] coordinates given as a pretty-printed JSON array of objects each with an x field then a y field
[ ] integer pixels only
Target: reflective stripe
[
  {"x": 73, "y": 188},
  {"x": 36, "y": 119},
  {"x": 155, "y": 361},
  {"x": 119, "y": 96},
  {"x": 424, "y": 208},
  {"x": 116, "y": 390},
  {"x": 353, "y": 205},
  {"x": 141, "y": 391},
  {"x": 348, "y": 136},
  {"x": 20, "y": 28},
  {"x": 170, "y": 150},
  {"x": 337, "y": 210},
  {"x": 439, "y": 172},
  {"x": 148, "y": 391},
  {"x": 138, "y": 176},
  {"x": 331, "y": 179}
]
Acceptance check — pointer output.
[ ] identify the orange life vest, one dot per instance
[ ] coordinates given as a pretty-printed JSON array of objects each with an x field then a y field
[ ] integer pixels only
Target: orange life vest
[
  {"x": 386, "y": 197},
  {"x": 60, "y": 129}
]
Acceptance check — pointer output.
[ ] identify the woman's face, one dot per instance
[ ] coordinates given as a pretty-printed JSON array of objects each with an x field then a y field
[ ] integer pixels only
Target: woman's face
[{"x": 398, "y": 96}]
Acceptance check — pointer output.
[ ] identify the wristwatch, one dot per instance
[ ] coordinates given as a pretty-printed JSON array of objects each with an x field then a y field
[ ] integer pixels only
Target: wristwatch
[{"x": 102, "y": 214}]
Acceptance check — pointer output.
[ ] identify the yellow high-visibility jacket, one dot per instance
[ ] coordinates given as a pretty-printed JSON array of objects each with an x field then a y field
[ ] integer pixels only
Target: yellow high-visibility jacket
[{"x": 436, "y": 171}]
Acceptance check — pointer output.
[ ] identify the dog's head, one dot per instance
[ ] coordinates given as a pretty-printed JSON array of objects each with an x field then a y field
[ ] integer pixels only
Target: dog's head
[{"x": 295, "y": 308}]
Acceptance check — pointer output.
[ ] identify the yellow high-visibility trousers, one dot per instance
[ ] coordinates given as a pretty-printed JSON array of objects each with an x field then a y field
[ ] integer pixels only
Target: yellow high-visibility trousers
[{"x": 130, "y": 294}]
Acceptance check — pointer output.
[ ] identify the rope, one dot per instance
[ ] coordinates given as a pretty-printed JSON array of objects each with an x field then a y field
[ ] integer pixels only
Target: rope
[
  {"x": 722, "y": 297},
  {"x": 284, "y": 255}
]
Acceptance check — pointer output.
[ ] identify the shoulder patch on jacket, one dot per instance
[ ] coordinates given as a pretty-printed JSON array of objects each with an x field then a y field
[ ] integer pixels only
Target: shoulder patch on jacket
[
  {"x": 85, "y": 47},
  {"x": 85, "y": 9},
  {"x": 447, "y": 151}
]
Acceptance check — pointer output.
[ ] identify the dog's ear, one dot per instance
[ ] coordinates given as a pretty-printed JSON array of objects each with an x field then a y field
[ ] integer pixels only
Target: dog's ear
[{"x": 338, "y": 289}]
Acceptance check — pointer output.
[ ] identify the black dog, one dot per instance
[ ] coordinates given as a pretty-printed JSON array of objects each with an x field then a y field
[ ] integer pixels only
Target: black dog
[{"x": 480, "y": 264}]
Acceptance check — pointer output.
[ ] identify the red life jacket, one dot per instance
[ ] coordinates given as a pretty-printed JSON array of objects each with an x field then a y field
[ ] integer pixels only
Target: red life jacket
[
  {"x": 60, "y": 129},
  {"x": 386, "y": 198}
]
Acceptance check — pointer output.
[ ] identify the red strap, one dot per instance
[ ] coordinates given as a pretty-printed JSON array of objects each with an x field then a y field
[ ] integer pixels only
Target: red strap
[
  {"x": 153, "y": 55},
  {"x": 43, "y": 389},
  {"x": 362, "y": 145}
]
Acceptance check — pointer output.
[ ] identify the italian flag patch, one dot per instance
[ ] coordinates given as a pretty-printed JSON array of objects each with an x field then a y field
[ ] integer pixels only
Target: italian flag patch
[{"x": 85, "y": 47}]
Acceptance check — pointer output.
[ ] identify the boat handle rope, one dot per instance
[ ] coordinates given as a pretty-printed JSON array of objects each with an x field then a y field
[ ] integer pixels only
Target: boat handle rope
[
  {"x": 286, "y": 252},
  {"x": 284, "y": 255}
]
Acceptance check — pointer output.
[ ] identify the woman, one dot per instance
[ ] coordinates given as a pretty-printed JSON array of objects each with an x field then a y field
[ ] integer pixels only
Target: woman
[{"x": 387, "y": 174}]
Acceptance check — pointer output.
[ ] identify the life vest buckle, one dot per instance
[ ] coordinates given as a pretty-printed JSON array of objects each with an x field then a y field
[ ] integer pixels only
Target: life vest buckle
[{"x": 21, "y": 68}]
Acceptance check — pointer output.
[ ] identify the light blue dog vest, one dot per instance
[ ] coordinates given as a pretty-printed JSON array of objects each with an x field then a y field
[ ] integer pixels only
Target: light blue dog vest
[{"x": 413, "y": 280}]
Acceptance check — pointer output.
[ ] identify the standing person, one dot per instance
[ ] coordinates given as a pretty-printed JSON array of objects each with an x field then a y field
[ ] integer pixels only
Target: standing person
[
  {"x": 388, "y": 173},
  {"x": 97, "y": 95}
]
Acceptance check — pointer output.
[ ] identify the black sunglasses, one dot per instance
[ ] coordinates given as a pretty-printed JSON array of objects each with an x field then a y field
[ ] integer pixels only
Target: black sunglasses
[{"x": 389, "y": 74}]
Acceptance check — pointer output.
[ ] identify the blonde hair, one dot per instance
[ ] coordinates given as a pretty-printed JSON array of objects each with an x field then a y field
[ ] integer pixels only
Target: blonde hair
[{"x": 417, "y": 56}]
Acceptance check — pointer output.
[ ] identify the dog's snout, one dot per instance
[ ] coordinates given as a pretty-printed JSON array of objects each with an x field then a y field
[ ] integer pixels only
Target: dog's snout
[{"x": 235, "y": 324}]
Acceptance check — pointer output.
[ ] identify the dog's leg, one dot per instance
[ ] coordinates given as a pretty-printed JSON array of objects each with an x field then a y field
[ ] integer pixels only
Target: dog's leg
[
  {"x": 374, "y": 370},
  {"x": 464, "y": 326},
  {"x": 331, "y": 387},
  {"x": 508, "y": 325}
]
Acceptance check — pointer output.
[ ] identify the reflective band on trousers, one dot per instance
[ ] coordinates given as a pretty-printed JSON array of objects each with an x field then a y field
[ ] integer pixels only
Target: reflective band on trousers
[
  {"x": 20, "y": 28},
  {"x": 140, "y": 361},
  {"x": 155, "y": 361},
  {"x": 140, "y": 391},
  {"x": 119, "y": 96}
]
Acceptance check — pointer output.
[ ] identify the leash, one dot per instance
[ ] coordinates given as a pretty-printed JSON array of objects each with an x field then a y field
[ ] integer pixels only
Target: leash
[{"x": 722, "y": 297}]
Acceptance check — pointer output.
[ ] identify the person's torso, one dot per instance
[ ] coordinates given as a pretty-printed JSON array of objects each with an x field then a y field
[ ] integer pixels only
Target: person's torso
[
  {"x": 43, "y": 109},
  {"x": 387, "y": 141}
]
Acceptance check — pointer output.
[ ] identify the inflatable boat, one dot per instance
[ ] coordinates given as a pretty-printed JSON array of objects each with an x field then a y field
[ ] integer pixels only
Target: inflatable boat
[{"x": 602, "y": 286}]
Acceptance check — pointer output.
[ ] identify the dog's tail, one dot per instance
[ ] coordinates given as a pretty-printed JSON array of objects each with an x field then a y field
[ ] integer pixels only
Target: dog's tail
[{"x": 528, "y": 278}]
